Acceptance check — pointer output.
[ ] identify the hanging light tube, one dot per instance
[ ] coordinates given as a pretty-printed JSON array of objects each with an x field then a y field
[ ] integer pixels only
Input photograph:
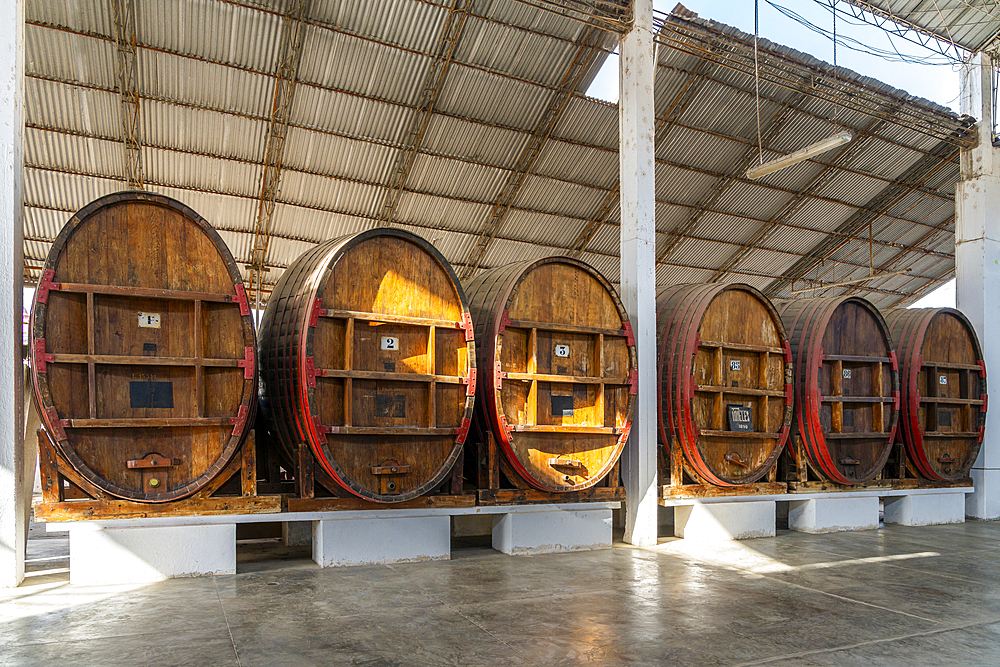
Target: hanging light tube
[{"x": 823, "y": 146}]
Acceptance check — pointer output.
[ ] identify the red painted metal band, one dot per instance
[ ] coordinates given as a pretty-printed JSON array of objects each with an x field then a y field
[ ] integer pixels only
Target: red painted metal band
[
  {"x": 463, "y": 431},
  {"x": 629, "y": 335},
  {"x": 470, "y": 332},
  {"x": 41, "y": 356},
  {"x": 55, "y": 424},
  {"x": 310, "y": 371},
  {"x": 470, "y": 383}
]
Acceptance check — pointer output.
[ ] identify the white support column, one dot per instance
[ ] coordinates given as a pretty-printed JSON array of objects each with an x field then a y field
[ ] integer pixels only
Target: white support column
[
  {"x": 638, "y": 264},
  {"x": 977, "y": 252},
  {"x": 12, "y": 478}
]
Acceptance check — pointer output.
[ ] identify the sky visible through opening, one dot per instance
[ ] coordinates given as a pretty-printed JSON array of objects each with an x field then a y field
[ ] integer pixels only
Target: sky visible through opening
[{"x": 937, "y": 83}]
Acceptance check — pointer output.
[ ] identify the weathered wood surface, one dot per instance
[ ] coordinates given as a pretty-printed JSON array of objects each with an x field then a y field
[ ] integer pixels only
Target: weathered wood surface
[
  {"x": 294, "y": 504},
  {"x": 721, "y": 346},
  {"x": 846, "y": 386},
  {"x": 942, "y": 390},
  {"x": 113, "y": 389},
  {"x": 68, "y": 496},
  {"x": 557, "y": 366},
  {"x": 367, "y": 358}
]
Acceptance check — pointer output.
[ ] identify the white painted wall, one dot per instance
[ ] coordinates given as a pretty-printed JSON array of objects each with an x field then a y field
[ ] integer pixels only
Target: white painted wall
[{"x": 12, "y": 478}]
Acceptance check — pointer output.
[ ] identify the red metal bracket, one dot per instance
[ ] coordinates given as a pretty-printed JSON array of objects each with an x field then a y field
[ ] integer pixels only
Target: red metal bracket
[
  {"x": 895, "y": 400},
  {"x": 892, "y": 433},
  {"x": 789, "y": 391},
  {"x": 892, "y": 358},
  {"x": 982, "y": 432},
  {"x": 985, "y": 399},
  {"x": 311, "y": 371},
  {"x": 470, "y": 331},
  {"x": 55, "y": 424},
  {"x": 44, "y": 285},
  {"x": 633, "y": 382},
  {"x": 322, "y": 428},
  {"x": 247, "y": 363},
  {"x": 463, "y": 431},
  {"x": 498, "y": 376},
  {"x": 470, "y": 383},
  {"x": 41, "y": 356},
  {"x": 239, "y": 420},
  {"x": 241, "y": 298},
  {"x": 505, "y": 426},
  {"x": 787, "y": 347},
  {"x": 624, "y": 433},
  {"x": 504, "y": 322},
  {"x": 982, "y": 367},
  {"x": 629, "y": 334},
  {"x": 316, "y": 311}
]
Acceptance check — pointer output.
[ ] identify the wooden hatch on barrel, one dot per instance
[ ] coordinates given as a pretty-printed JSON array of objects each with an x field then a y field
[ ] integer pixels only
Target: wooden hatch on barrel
[
  {"x": 142, "y": 350},
  {"x": 368, "y": 363},
  {"x": 558, "y": 373},
  {"x": 725, "y": 399},
  {"x": 846, "y": 389},
  {"x": 943, "y": 390}
]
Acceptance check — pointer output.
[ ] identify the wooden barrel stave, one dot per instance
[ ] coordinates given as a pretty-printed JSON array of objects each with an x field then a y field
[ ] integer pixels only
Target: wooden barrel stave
[
  {"x": 386, "y": 423},
  {"x": 846, "y": 385},
  {"x": 536, "y": 306},
  {"x": 120, "y": 255},
  {"x": 691, "y": 342},
  {"x": 943, "y": 439}
]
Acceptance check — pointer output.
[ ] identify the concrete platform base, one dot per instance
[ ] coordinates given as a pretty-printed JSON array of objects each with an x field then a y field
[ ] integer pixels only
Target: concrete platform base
[
  {"x": 381, "y": 540},
  {"x": 296, "y": 533},
  {"x": 925, "y": 510},
  {"x": 101, "y": 555},
  {"x": 552, "y": 530},
  {"x": 725, "y": 521},
  {"x": 833, "y": 514}
]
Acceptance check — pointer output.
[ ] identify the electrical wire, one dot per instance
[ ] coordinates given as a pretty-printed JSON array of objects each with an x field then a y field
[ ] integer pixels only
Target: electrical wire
[{"x": 858, "y": 46}]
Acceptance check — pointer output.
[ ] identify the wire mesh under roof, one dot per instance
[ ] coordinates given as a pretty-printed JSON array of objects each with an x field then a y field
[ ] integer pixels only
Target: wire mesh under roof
[
  {"x": 208, "y": 72},
  {"x": 970, "y": 24}
]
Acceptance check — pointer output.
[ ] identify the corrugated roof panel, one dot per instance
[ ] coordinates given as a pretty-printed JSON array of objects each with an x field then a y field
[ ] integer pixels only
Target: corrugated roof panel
[
  {"x": 589, "y": 121},
  {"x": 82, "y": 15},
  {"x": 494, "y": 99},
  {"x": 464, "y": 180},
  {"x": 68, "y": 57},
  {"x": 349, "y": 115},
  {"x": 73, "y": 153},
  {"x": 495, "y": 146},
  {"x": 200, "y": 131},
  {"x": 334, "y": 155},
  {"x": 580, "y": 164},
  {"x": 215, "y": 31},
  {"x": 174, "y": 78},
  {"x": 67, "y": 192},
  {"x": 430, "y": 212},
  {"x": 330, "y": 194},
  {"x": 414, "y": 25},
  {"x": 559, "y": 197},
  {"x": 72, "y": 108},
  {"x": 186, "y": 170}
]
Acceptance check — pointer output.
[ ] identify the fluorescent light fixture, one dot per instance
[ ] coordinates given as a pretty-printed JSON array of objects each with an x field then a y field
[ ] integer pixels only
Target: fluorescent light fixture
[{"x": 823, "y": 146}]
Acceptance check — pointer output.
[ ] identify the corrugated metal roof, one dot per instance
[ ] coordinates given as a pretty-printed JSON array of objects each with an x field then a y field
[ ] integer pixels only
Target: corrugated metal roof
[{"x": 207, "y": 72}]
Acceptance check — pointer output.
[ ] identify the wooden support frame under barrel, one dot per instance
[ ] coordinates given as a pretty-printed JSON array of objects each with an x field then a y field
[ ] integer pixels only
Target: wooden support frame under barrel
[
  {"x": 498, "y": 484},
  {"x": 898, "y": 473},
  {"x": 314, "y": 490},
  {"x": 684, "y": 482},
  {"x": 68, "y": 496}
]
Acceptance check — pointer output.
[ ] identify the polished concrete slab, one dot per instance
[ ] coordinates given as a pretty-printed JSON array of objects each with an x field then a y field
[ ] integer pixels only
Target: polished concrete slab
[{"x": 894, "y": 596}]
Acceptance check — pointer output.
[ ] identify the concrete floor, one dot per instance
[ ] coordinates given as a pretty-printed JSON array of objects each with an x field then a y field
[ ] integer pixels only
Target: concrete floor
[{"x": 896, "y": 596}]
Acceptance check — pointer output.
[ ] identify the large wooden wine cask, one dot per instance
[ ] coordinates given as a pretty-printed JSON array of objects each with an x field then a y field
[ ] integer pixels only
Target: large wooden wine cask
[
  {"x": 558, "y": 370},
  {"x": 142, "y": 348},
  {"x": 943, "y": 390},
  {"x": 846, "y": 385},
  {"x": 724, "y": 378},
  {"x": 367, "y": 356}
]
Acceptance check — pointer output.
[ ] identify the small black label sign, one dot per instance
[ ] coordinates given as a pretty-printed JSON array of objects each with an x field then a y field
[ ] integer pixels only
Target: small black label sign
[
  {"x": 740, "y": 417},
  {"x": 151, "y": 394}
]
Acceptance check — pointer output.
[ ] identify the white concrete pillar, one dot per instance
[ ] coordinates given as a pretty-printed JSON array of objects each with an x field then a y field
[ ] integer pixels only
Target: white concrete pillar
[
  {"x": 12, "y": 478},
  {"x": 638, "y": 264},
  {"x": 977, "y": 253}
]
